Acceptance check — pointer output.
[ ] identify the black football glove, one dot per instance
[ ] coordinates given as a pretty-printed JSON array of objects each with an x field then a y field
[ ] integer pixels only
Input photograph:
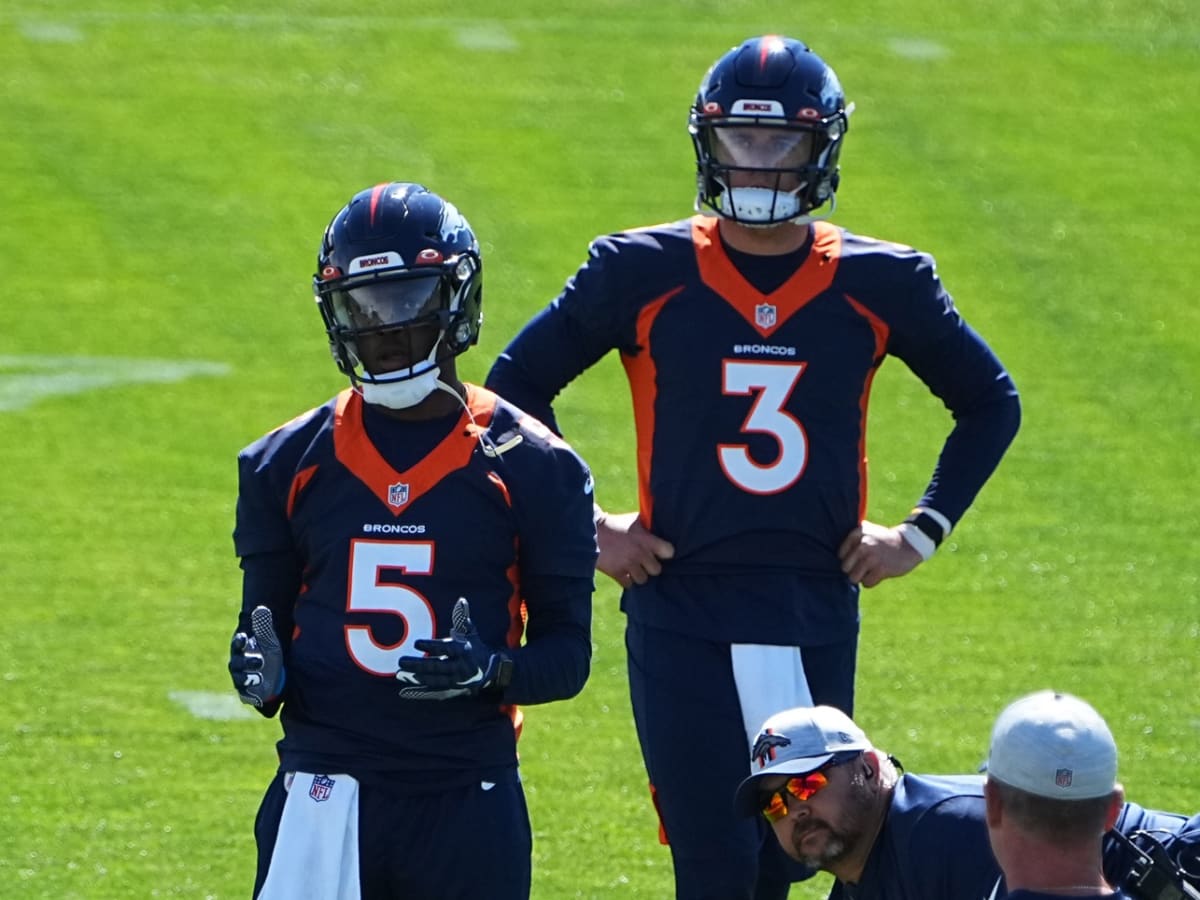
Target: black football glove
[
  {"x": 458, "y": 666},
  {"x": 256, "y": 660}
]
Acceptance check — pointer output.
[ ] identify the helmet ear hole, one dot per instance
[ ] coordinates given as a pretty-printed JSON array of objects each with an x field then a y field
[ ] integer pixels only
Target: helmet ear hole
[
  {"x": 462, "y": 335},
  {"x": 463, "y": 330}
]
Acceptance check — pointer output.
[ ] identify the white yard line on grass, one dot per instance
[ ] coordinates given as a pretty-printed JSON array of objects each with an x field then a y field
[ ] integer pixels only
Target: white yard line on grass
[
  {"x": 208, "y": 705},
  {"x": 24, "y": 380},
  {"x": 917, "y": 48}
]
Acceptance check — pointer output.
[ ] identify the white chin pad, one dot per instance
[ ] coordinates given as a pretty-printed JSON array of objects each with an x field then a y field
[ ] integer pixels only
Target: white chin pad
[
  {"x": 759, "y": 205},
  {"x": 402, "y": 394}
]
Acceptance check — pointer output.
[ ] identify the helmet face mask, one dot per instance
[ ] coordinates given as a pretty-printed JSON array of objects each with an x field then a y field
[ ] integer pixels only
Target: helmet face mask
[
  {"x": 392, "y": 325},
  {"x": 399, "y": 284},
  {"x": 767, "y": 126}
]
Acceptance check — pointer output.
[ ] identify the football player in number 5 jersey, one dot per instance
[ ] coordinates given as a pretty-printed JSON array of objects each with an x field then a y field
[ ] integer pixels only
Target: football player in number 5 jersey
[
  {"x": 750, "y": 338},
  {"x": 418, "y": 560}
]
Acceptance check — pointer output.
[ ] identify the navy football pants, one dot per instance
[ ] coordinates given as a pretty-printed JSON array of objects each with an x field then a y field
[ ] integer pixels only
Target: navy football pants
[
  {"x": 689, "y": 723},
  {"x": 461, "y": 843}
]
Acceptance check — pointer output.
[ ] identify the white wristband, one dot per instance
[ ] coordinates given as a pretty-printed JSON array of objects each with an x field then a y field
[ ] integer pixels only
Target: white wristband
[{"x": 917, "y": 539}]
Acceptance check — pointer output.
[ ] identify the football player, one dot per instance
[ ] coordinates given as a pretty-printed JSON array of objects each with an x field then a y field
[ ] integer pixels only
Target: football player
[
  {"x": 750, "y": 335},
  {"x": 418, "y": 559}
]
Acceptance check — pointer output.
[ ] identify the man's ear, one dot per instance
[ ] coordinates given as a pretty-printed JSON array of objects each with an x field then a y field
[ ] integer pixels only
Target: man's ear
[
  {"x": 871, "y": 765},
  {"x": 1115, "y": 804},
  {"x": 995, "y": 809}
]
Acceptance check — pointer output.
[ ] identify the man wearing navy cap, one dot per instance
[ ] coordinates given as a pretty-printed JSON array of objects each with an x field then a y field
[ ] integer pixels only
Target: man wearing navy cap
[{"x": 837, "y": 803}]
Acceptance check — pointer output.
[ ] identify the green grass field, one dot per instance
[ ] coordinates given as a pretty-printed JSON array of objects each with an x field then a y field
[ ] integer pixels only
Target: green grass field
[{"x": 166, "y": 170}]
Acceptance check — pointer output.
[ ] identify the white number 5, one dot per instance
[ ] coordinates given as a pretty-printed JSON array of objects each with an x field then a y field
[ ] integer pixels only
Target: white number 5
[
  {"x": 367, "y": 593},
  {"x": 774, "y": 382}
]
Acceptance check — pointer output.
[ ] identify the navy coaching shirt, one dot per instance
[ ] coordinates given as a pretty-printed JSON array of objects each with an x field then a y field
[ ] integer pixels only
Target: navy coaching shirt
[
  {"x": 750, "y": 411},
  {"x": 499, "y": 511},
  {"x": 934, "y": 843}
]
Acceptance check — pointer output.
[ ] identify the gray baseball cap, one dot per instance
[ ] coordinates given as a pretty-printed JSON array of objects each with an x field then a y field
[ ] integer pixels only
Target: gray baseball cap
[
  {"x": 1053, "y": 745},
  {"x": 796, "y": 742}
]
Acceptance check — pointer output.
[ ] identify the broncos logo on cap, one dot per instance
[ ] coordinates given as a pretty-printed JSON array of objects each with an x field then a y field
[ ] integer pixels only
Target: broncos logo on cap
[{"x": 765, "y": 745}]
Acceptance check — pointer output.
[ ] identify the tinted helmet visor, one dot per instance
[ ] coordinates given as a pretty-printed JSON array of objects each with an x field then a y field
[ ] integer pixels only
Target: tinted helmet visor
[{"x": 386, "y": 304}]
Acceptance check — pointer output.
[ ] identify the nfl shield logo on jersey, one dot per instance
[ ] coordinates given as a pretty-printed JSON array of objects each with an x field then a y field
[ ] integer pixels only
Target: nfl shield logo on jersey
[
  {"x": 397, "y": 495},
  {"x": 1063, "y": 777},
  {"x": 764, "y": 315},
  {"x": 322, "y": 787}
]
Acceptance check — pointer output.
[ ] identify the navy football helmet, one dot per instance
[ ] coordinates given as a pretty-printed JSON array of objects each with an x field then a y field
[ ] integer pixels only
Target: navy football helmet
[
  {"x": 399, "y": 259},
  {"x": 761, "y": 177}
]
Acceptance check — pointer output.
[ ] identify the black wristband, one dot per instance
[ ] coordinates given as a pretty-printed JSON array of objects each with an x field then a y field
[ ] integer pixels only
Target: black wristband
[
  {"x": 927, "y": 525},
  {"x": 504, "y": 673}
]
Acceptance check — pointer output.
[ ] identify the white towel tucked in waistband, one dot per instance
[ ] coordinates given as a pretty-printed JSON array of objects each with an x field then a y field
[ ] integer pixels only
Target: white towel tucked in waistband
[
  {"x": 316, "y": 849},
  {"x": 769, "y": 679}
]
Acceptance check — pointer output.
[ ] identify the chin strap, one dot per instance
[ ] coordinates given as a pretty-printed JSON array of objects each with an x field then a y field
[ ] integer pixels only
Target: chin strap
[{"x": 817, "y": 217}]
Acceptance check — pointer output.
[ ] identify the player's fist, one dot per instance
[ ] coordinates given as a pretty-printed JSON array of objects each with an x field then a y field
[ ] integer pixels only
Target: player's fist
[{"x": 256, "y": 660}]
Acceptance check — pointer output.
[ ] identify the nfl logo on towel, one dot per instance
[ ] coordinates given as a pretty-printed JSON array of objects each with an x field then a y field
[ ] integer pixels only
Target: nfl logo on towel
[
  {"x": 397, "y": 495},
  {"x": 322, "y": 787}
]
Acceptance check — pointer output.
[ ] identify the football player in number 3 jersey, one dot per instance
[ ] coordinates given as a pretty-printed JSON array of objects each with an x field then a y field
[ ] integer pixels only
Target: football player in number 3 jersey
[
  {"x": 750, "y": 338},
  {"x": 418, "y": 559}
]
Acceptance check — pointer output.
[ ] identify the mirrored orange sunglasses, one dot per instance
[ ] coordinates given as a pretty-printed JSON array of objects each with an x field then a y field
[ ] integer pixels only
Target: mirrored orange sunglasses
[{"x": 802, "y": 787}]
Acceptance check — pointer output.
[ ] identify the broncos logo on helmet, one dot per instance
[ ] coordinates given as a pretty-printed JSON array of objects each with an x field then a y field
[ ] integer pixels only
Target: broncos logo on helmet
[{"x": 764, "y": 747}]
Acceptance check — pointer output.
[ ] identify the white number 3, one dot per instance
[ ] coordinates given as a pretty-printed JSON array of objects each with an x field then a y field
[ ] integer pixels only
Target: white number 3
[
  {"x": 368, "y": 560},
  {"x": 774, "y": 382}
]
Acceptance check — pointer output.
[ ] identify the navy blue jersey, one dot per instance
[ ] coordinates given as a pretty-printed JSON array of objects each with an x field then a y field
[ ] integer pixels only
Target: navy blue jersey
[
  {"x": 379, "y": 557},
  {"x": 751, "y": 408},
  {"x": 934, "y": 843}
]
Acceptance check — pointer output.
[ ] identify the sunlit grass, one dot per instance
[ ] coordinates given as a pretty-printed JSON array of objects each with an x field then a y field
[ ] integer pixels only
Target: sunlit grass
[{"x": 165, "y": 175}]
